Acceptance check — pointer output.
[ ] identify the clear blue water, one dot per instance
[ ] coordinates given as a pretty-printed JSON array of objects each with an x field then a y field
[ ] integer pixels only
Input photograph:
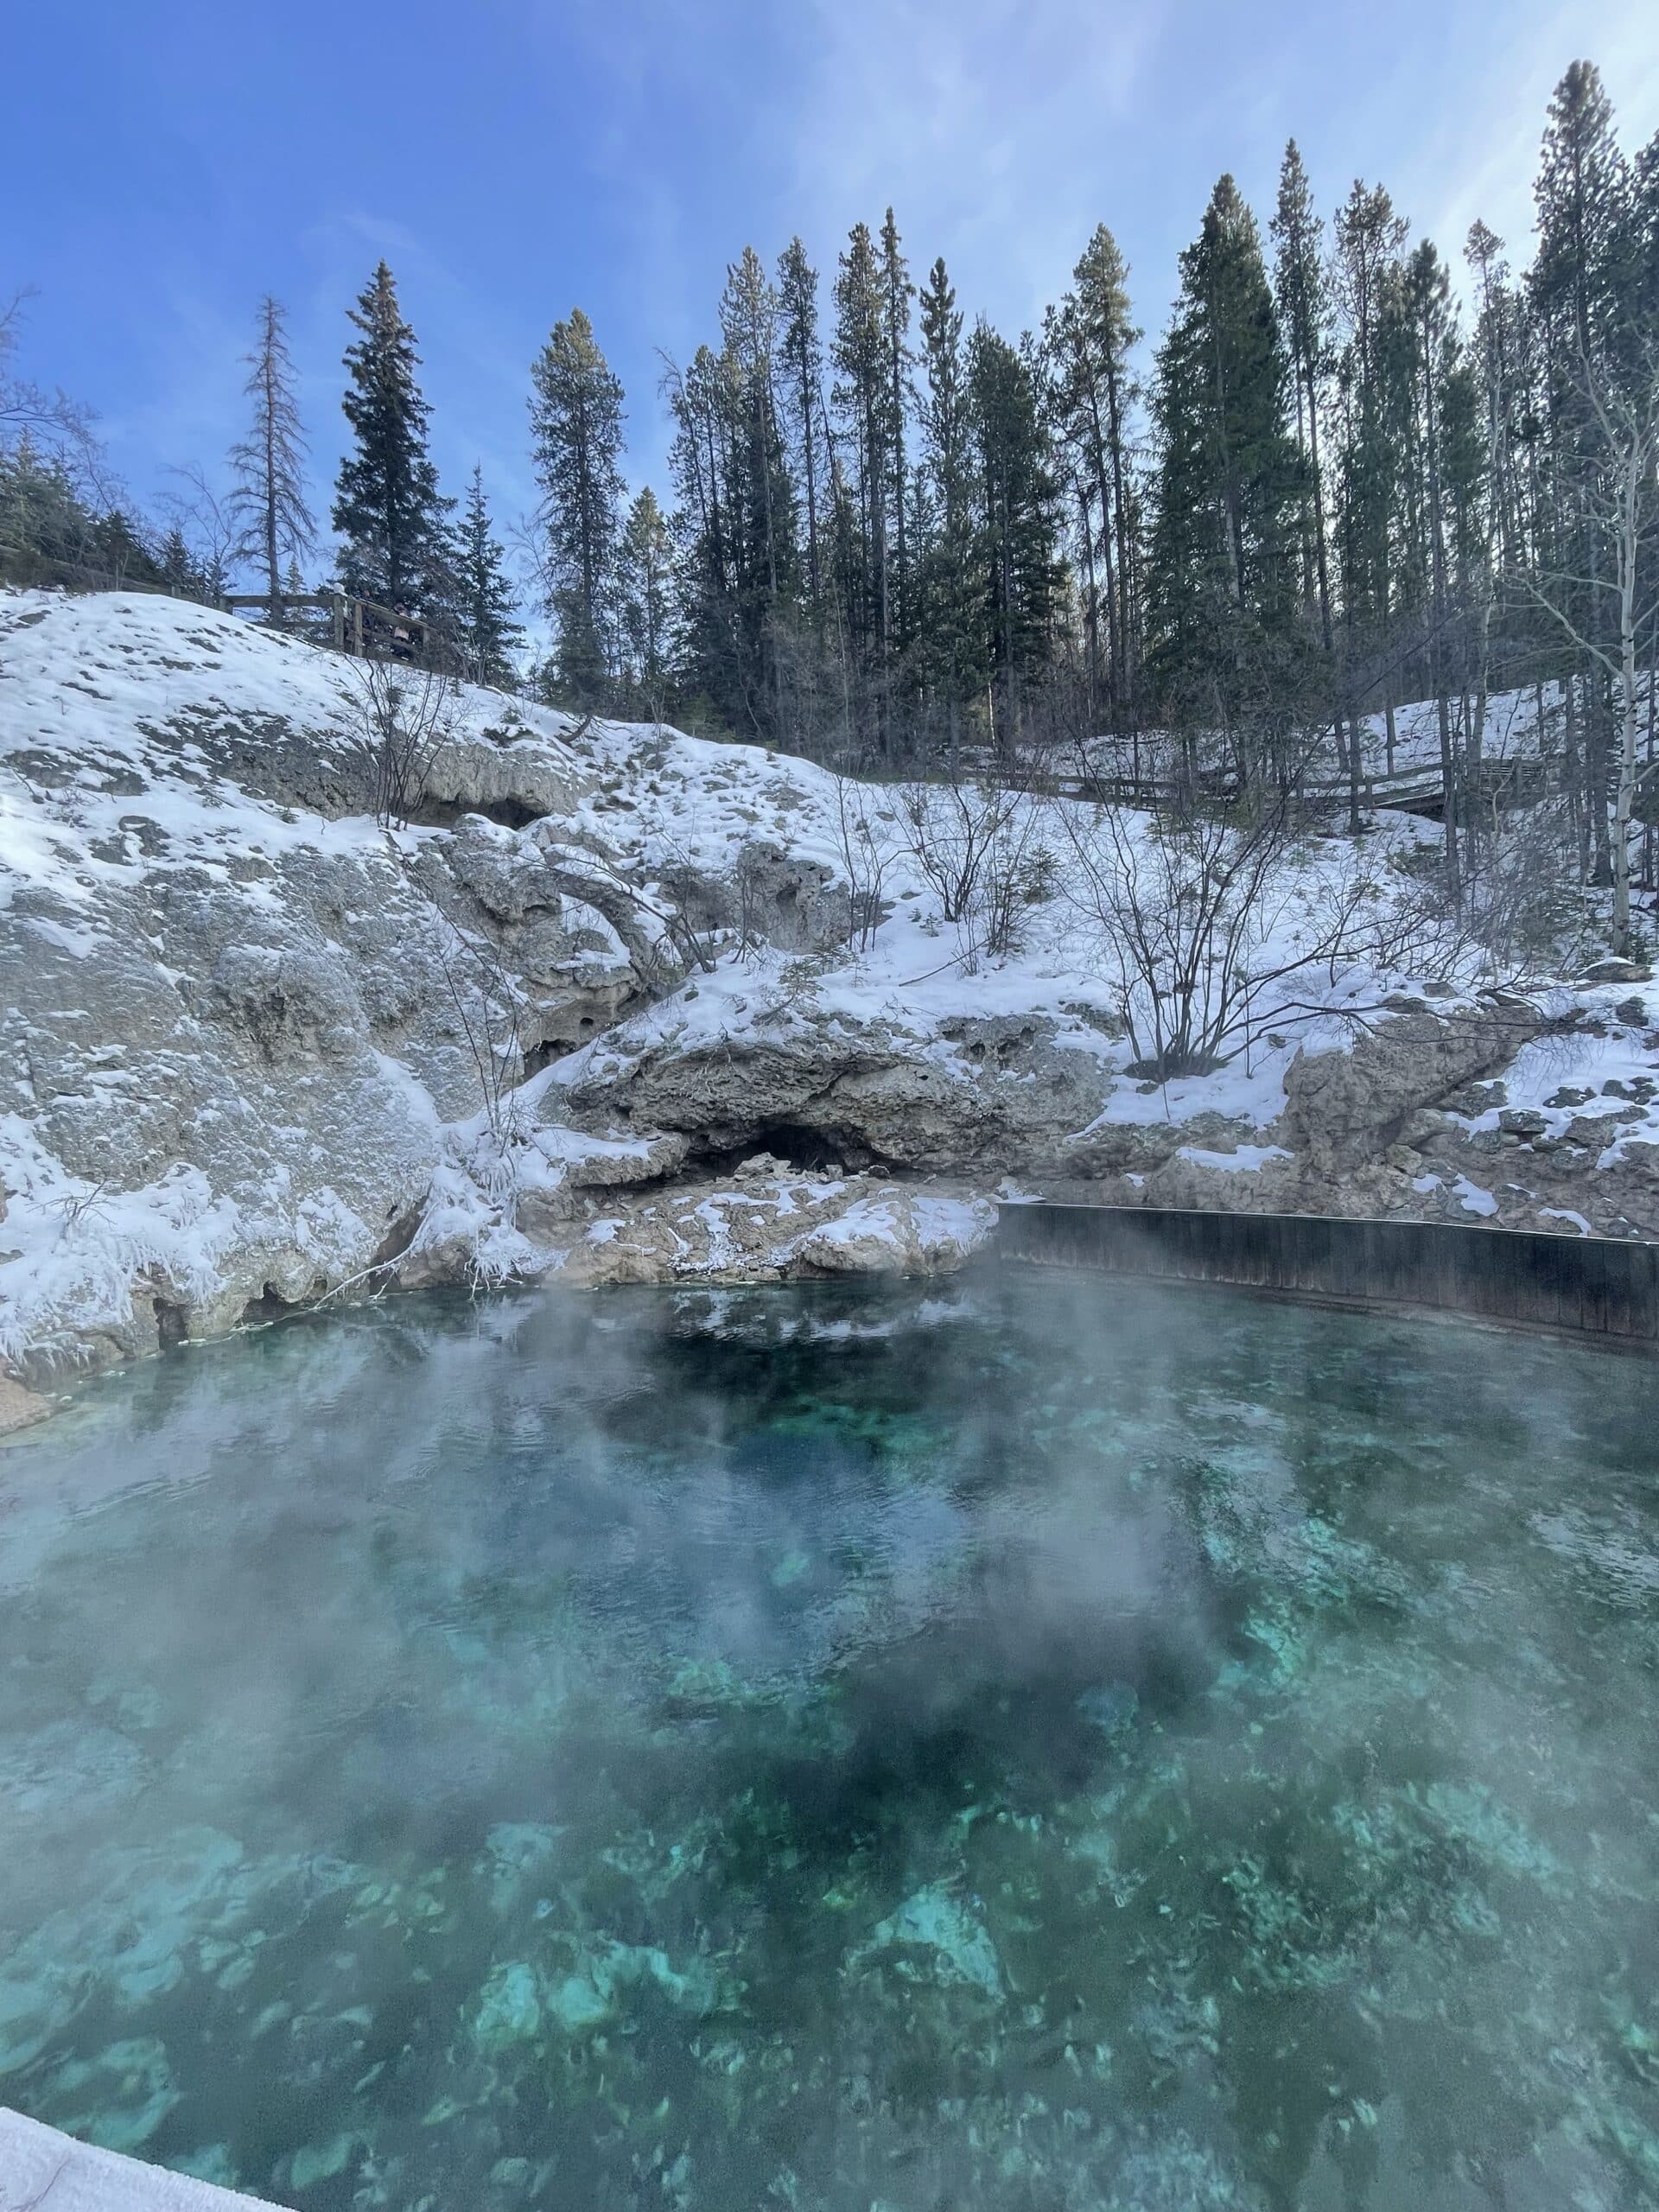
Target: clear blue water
[{"x": 1039, "y": 1744}]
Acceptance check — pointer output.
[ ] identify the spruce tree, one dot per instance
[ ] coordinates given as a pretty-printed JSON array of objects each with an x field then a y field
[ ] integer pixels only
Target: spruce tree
[
  {"x": 646, "y": 580},
  {"x": 1096, "y": 336},
  {"x": 387, "y": 509},
  {"x": 486, "y": 632},
  {"x": 268, "y": 504},
  {"x": 954, "y": 589},
  {"x": 863, "y": 396},
  {"x": 1305, "y": 317},
  {"x": 803, "y": 380},
  {"x": 897, "y": 293},
  {"x": 575, "y": 413},
  {"x": 1019, "y": 500},
  {"x": 1221, "y": 566},
  {"x": 181, "y": 571}
]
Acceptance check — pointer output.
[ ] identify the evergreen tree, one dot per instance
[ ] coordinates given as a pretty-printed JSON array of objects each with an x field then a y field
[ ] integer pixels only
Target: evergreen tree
[
  {"x": 953, "y": 587},
  {"x": 1305, "y": 317},
  {"x": 119, "y": 548},
  {"x": 1639, "y": 251},
  {"x": 646, "y": 575},
  {"x": 803, "y": 380},
  {"x": 576, "y": 412},
  {"x": 1365, "y": 270},
  {"x": 268, "y": 503},
  {"x": 1221, "y": 566},
  {"x": 863, "y": 395},
  {"x": 1500, "y": 349},
  {"x": 1095, "y": 337},
  {"x": 486, "y": 634},
  {"x": 181, "y": 573},
  {"x": 699, "y": 459},
  {"x": 1582, "y": 195},
  {"x": 387, "y": 509},
  {"x": 1018, "y": 499},
  {"x": 897, "y": 293},
  {"x": 759, "y": 502}
]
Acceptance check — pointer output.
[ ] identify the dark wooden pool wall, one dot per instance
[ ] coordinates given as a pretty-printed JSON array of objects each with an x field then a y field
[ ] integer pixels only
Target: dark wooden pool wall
[{"x": 1596, "y": 1286}]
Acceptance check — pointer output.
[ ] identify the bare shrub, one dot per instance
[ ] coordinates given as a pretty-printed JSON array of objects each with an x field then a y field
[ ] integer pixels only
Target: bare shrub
[
  {"x": 1214, "y": 932},
  {"x": 404, "y": 716},
  {"x": 487, "y": 1005},
  {"x": 951, "y": 831},
  {"x": 863, "y": 817}
]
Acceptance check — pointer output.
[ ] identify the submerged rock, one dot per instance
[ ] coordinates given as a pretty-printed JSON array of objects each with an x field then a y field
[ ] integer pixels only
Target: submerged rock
[{"x": 953, "y": 1943}]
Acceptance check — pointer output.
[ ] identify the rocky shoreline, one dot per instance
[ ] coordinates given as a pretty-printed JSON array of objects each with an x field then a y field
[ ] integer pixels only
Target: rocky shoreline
[{"x": 599, "y": 1015}]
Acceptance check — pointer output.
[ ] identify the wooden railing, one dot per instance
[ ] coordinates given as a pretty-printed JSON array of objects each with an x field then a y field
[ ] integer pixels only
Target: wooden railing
[
  {"x": 353, "y": 623},
  {"x": 363, "y": 627}
]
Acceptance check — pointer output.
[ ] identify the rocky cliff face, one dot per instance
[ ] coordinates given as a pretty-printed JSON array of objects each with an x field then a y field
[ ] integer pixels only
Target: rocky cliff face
[{"x": 595, "y": 1010}]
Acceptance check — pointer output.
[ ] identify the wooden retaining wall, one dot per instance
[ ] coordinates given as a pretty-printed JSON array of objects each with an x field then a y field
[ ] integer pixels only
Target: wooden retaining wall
[{"x": 1596, "y": 1286}]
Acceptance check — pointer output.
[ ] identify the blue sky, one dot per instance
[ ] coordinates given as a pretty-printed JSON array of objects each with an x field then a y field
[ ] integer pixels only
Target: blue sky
[{"x": 171, "y": 162}]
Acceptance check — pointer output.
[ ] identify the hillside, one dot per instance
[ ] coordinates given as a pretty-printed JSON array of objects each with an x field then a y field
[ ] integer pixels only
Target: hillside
[{"x": 628, "y": 1005}]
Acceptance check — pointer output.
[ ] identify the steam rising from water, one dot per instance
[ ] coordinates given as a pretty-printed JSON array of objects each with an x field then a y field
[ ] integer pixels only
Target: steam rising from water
[{"x": 1058, "y": 1743}]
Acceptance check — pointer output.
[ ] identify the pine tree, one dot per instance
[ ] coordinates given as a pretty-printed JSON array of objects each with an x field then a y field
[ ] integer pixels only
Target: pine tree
[
  {"x": 803, "y": 378},
  {"x": 1501, "y": 347},
  {"x": 1095, "y": 337},
  {"x": 387, "y": 508},
  {"x": 486, "y": 632},
  {"x": 575, "y": 413},
  {"x": 1018, "y": 499},
  {"x": 268, "y": 503},
  {"x": 1639, "y": 252},
  {"x": 1221, "y": 566},
  {"x": 953, "y": 587},
  {"x": 1365, "y": 268},
  {"x": 647, "y": 585},
  {"x": 1305, "y": 317},
  {"x": 760, "y": 499},
  {"x": 897, "y": 293},
  {"x": 863, "y": 396},
  {"x": 1582, "y": 195}
]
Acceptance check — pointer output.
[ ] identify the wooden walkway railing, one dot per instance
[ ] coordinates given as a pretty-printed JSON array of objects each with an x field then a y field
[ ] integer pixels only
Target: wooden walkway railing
[
  {"x": 363, "y": 627},
  {"x": 353, "y": 623}
]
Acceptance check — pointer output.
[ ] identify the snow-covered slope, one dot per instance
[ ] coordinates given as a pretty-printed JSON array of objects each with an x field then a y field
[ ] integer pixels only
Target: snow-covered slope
[{"x": 256, "y": 1048}]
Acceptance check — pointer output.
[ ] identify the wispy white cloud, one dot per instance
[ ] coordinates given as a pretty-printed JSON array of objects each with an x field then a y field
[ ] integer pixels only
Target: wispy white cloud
[{"x": 634, "y": 146}]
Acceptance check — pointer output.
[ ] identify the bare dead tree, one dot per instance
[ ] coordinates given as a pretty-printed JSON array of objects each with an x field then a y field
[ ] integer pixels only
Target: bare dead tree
[
  {"x": 48, "y": 417},
  {"x": 207, "y": 524}
]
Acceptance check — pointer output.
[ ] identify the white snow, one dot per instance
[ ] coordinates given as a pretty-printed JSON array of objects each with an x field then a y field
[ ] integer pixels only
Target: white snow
[
  {"x": 1245, "y": 1160},
  {"x": 105, "y": 701}
]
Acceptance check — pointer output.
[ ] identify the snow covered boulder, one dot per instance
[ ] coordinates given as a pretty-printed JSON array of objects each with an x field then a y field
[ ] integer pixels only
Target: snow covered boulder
[
  {"x": 961, "y": 1094},
  {"x": 1344, "y": 1108},
  {"x": 909, "y": 1231}
]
